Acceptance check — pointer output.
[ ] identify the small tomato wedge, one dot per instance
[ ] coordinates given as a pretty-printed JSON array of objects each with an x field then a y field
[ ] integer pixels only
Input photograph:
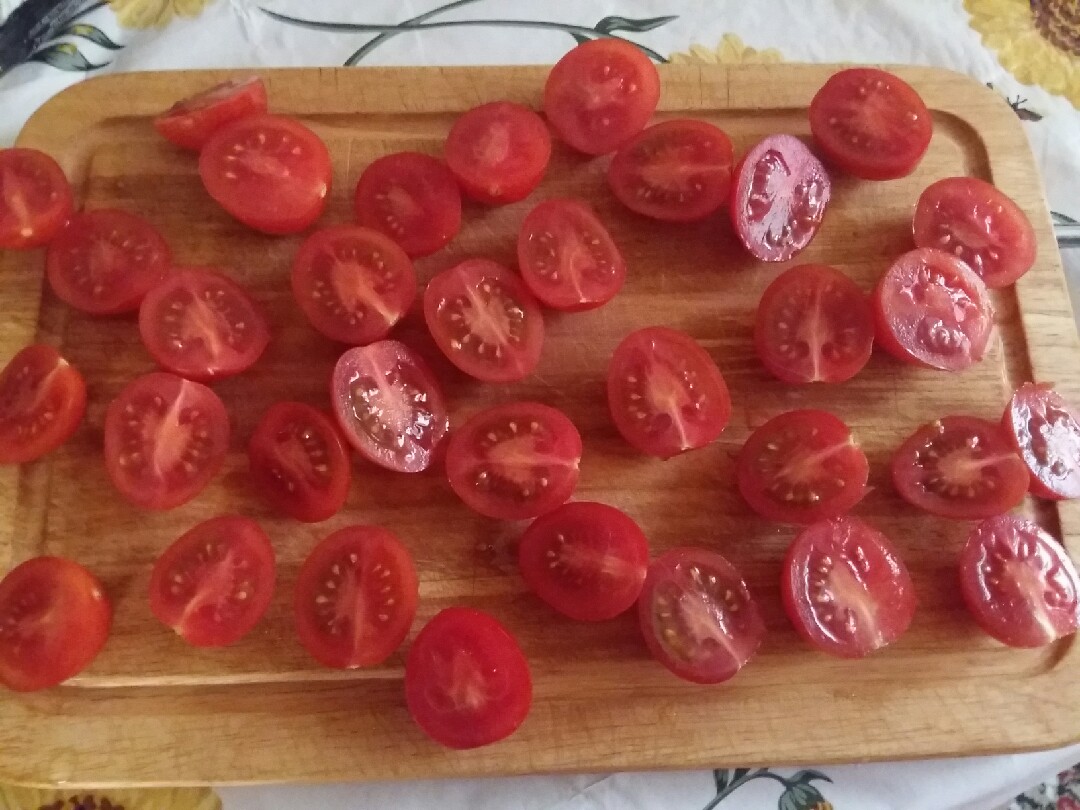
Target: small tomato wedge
[
  {"x": 42, "y": 402},
  {"x": 1045, "y": 430},
  {"x": 190, "y": 122},
  {"x": 35, "y": 199},
  {"x": 467, "y": 683}
]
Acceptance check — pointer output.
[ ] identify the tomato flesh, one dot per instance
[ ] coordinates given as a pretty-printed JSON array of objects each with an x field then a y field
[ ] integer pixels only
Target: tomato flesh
[
  {"x": 1045, "y": 429},
  {"x": 42, "y": 402},
  {"x": 190, "y": 122},
  {"x": 35, "y": 199}
]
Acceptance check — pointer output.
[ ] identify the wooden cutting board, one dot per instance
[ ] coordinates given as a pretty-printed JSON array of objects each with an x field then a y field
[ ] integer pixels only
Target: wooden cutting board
[{"x": 153, "y": 711}]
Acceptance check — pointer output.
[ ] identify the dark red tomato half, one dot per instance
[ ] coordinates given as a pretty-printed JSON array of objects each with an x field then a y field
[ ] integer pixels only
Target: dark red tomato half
[
  {"x": 355, "y": 597},
  {"x": 1019, "y": 583},
  {"x": 1045, "y": 430},
  {"x": 601, "y": 94},
  {"x": 54, "y": 620},
  {"x": 353, "y": 283},
  {"x": 485, "y": 320},
  {"x": 215, "y": 582},
  {"x": 960, "y": 467},
  {"x": 165, "y": 438},
  {"x": 978, "y": 224},
  {"x": 270, "y": 172},
  {"x": 814, "y": 324},
  {"x": 190, "y": 122},
  {"x": 514, "y": 461},
  {"x": 42, "y": 402},
  {"x": 467, "y": 683},
  {"x": 870, "y": 123},
  {"x": 932, "y": 310},
  {"x": 105, "y": 261},
  {"x": 675, "y": 171},
  {"x": 412, "y": 198},
  {"x": 801, "y": 467},
  {"x": 389, "y": 405},
  {"x": 778, "y": 198},
  {"x": 665, "y": 393},
  {"x": 586, "y": 560},
  {"x": 299, "y": 463},
  {"x": 567, "y": 258},
  {"x": 35, "y": 199}
]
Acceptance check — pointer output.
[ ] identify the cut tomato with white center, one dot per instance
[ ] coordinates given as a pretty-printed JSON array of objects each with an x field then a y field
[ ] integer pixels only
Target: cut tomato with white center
[
  {"x": 42, "y": 402},
  {"x": 1045, "y": 429},
  {"x": 190, "y": 122},
  {"x": 35, "y": 199}
]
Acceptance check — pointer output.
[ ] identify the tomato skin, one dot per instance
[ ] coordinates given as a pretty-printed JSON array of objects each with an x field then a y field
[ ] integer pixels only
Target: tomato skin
[
  {"x": 42, "y": 403},
  {"x": 190, "y": 122},
  {"x": 35, "y": 199},
  {"x": 1045, "y": 430},
  {"x": 54, "y": 620}
]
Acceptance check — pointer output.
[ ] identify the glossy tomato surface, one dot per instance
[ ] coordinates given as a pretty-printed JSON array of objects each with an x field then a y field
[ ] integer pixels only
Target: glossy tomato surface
[
  {"x": 190, "y": 122},
  {"x": 35, "y": 199},
  {"x": 42, "y": 402},
  {"x": 1045, "y": 429}
]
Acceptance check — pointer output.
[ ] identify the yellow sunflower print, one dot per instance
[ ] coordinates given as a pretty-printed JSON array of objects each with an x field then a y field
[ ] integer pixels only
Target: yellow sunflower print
[
  {"x": 729, "y": 51},
  {"x": 12, "y": 798},
  {"x": 155, "y": 13}
]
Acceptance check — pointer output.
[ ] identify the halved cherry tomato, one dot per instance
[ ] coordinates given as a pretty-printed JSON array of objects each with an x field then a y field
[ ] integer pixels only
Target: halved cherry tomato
[
  {"x": 498, "y": 152},
  {"x": 778, "y": 198},
  {"x": 586, "y": 560},
  {"x": 411, "y": 198},
  {"x": 802, "y": 466},
  {"x": 352, "y": 283},
  {"x": 870, "y": 123},
  {"x": 165, "y": 438},
  {"x": 567, "y": 258},
  {"x": 202, "y": 325},
  {"x": 42, "y": 402},
  {"x": 814, "y": 324},
  {"x": 215, "y": 582},
  {"x": 35, "y": 199},
  {"x": 467, "y": 682},
  {"x": 270, "y": 172},
  {"x": 932, "y": 310},
  {"x": 1019, "y": 583},
  {"x": 485, "y": 321},
  {"x": 54, "y": 620},
  {"x": 698, "y": 617},
  {"x": 960, "y": 467},
  {"x": 665, "y": 393},
  {"x": 845, "y": 588},
  {"x": 105, "y": 261},
  {"x": 355, "y": 597},
  {"x": 675, "y": 171},
  {"x": 1045, "y": 429},
  {"x": 299, "y": 463},
  {"x": 190, "y": 122},
  {"x": 389, "y": 405}
]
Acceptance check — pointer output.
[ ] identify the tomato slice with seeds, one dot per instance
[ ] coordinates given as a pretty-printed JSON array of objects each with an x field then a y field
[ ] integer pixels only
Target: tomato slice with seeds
[
  {"x": 814, "y": 324},
  {"x": 190, "y": 122},
  {"x": 299, "y": 463},
  {"x": 586, "y": 560},
  {"x": 353, "y": 284},
  {"x": 35, "y": 199},
  {"x": 165, "y": 438},
  {"x": 412, "y": 198},
  {"x": 389, "y": 405},
  {"x": 778, "y": 198},
  {"x": 801, "y": 467},
  {"x": 932, "y": 310},
  {"x": 1045, "y": 430},
  {"x": 665, "y": 393},
  {"x": 485, "y": 320},
  {"x": 467, "y": 683},
  {"x": 356, "y": 597},
  {"x": 845, "y": 588},
  {"x": 105, "y": 262},
  {"x": 1019, "y": 583},
  {"x": 42, "y": 402},
  {"x": 567, "y": 257}
]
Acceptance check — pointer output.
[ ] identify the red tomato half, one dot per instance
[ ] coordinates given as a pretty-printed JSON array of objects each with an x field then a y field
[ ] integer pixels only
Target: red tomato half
[
  {"x": 778, "y": 198},
  {"x": 389, "y": 405},
  {"x": 165, "y": 438},
  {"x": 189, "y": 123},
  {"x": 54, "y": 620},
  {"x": 801, "y": 467},
  {"x": 355, "y": 597},
  {"x": 870, "y": 123},
  {"x": 1045, "y": 429},
  {"x": 353, "y": 283},
  {"x": 42, "y": 402},
  {"x": 270, "y": 172},
  {"x": 105, "y": 261},
  {"x": 814, "y": 324},
  {"x": 845, "y": 589},
  {"x": 665, "y": 393},
  {"x": 601, "y": 94},
  {"x": 35, "y": 199},
  {"x": 1019, "y": 583},
  {"x": 467, "y": 682}
]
